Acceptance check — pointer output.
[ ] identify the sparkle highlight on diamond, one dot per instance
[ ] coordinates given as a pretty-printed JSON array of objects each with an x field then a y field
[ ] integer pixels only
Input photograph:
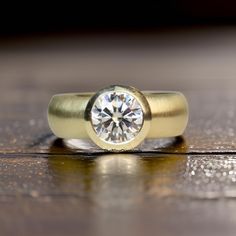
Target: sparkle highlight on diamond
[{"x": 117, "y": 117}]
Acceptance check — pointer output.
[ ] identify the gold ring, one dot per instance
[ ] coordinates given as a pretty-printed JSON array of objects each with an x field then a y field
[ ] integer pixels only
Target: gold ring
[{"x": 118, "y": 118}]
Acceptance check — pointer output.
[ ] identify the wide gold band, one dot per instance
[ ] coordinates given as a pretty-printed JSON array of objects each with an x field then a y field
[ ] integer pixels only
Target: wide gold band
[{"x": 169, "y": 114}]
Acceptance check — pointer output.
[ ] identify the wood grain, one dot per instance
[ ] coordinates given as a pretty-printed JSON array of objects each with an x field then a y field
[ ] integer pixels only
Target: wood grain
[{"x": 118, "y": 194}]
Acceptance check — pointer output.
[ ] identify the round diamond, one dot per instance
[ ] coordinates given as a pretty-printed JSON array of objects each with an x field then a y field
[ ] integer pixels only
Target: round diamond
[{"x": 116, "y": 117}]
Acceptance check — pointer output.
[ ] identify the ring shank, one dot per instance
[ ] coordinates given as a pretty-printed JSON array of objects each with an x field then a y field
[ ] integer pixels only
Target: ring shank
[{"x": 169, "y": 111}]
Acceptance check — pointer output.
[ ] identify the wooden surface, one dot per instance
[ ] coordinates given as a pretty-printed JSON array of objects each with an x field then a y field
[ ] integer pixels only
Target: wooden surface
[{"x": 178, "y": 187}]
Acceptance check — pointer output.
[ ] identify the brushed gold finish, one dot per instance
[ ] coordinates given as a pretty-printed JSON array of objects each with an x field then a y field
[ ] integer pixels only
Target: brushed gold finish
[
  {"x": 169, "y": 112},
  {"x": 165, "y": 115}
]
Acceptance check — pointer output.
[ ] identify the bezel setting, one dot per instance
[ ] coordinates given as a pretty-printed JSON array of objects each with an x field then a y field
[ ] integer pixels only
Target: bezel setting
[{"x": 124, "y": 145}]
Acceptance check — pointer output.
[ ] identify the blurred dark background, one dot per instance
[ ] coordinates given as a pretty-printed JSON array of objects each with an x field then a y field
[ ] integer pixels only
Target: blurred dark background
[
  {"x": 89, "y": 16},
  {"x": 173, "y": 45}
]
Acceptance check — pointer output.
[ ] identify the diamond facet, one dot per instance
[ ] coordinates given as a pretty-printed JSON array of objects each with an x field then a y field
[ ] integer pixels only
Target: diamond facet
[{"x": 117, "y": 117}]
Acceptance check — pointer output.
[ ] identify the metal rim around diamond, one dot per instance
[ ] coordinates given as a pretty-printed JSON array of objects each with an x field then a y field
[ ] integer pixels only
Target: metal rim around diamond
[{"x": 118, "y": 118}]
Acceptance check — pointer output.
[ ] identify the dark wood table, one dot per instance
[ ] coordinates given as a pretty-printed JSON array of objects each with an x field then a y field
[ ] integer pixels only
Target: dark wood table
[{"x": 185, "y": 186}]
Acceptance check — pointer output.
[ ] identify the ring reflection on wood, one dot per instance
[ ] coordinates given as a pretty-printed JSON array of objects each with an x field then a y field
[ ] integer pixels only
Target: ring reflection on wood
[{"x": 117, "y": 180}]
